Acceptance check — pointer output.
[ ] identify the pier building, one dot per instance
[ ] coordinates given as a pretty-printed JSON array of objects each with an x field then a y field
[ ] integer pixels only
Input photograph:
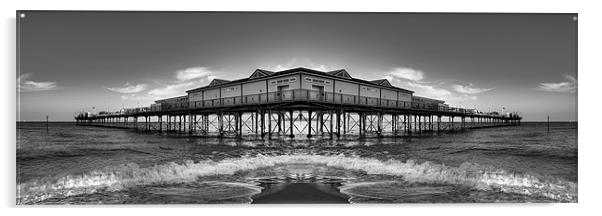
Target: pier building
[{"x": 299, "y": 101}]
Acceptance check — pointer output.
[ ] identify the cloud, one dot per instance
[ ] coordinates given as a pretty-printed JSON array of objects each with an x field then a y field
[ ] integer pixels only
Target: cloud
[
  {"x": 406, "y": 73},
  {"x": 294, "y": 63},
  {"x": 24, "y": 85},
  {"x": 176, "y": 89},
  {"x": 136, "y": 97},
  {"x": 193, "y": 73},
  {"x": 469, "y": 89},
  {"x": 428, "y": 90},
  {"x": 185, "y": 79},
  {"x": 128, "y": 89},
  {"x": 433, "y": 90},
  {"x": 460, "y": 99},
  {"x": 280, "y": 67},
  {"x": 211, "y": 77},
  {"x": 413, "y": 80},
  {"x": 568, "y": 86},
  {"x": 319, "y": 67}
]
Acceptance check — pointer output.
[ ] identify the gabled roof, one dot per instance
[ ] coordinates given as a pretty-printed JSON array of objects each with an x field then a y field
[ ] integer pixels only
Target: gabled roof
[
  {"x": 216, "y": 82},
  {"x": 340, "y": 73},
  {"x": 337, "y": 74},
  {"x": 382, "y": 82},
  {"x": 260, "y": 73}
]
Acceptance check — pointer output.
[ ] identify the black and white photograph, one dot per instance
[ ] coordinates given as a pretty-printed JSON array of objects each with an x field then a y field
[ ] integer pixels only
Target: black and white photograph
[{"x": 295, "y": 107}]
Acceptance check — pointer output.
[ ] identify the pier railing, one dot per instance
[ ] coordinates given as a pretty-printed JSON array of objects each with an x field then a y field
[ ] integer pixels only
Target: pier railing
[
  {"x": 301, "y": 95},
  {"x": 297, "y": 95}
]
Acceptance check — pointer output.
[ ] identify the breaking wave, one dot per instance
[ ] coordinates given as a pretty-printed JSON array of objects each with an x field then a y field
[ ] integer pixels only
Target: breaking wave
[{"x": 119, "y": 177}]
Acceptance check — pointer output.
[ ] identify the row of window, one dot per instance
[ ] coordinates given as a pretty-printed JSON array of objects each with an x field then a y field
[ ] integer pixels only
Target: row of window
[
  {"x": 283, "y": 81},
  {"x": 319, "y": 81}
]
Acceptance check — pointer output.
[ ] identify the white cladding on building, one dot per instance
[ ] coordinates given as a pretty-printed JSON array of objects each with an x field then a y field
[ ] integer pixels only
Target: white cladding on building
[{"x": 298, "y": 84}]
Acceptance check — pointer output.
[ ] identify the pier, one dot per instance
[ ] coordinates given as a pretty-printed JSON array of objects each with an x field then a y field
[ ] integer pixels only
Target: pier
[{"x": 299, "y": 102}]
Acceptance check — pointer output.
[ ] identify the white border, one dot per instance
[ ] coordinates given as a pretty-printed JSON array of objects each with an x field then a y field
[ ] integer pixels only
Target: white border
[{"x": 588, "y": 76}]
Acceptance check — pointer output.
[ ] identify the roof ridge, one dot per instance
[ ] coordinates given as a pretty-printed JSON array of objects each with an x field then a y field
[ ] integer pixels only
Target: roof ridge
[{"x": 307, "y": 70}]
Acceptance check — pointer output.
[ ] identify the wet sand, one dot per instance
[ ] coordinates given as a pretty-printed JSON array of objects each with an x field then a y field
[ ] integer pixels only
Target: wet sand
[{"x": 300, "y": 193}]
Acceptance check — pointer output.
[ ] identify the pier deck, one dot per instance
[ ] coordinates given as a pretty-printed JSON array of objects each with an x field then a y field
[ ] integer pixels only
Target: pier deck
[{"x": 299, "y": 112}]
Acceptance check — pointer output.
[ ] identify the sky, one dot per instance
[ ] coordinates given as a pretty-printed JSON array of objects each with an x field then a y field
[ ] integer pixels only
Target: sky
[{"x": 91, "y": 61}]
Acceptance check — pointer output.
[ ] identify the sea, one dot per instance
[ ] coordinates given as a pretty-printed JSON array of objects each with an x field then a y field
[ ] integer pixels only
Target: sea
[{"x": 61, "y": 163}]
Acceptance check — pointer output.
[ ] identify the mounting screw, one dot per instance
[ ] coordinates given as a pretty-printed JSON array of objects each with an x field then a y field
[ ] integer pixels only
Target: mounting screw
[{"x": 22, "y": 15}]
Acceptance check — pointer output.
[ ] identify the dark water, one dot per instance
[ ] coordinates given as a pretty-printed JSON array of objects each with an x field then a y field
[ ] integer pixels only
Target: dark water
[{"x": 71, "y": 164}]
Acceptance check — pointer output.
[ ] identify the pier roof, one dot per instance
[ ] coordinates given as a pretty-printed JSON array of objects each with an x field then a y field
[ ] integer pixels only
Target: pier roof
[
  {"x": 259, "y": 73},
  {"x": 382, "y": 82},
  {"x": 340, "y": 73},
  {"x": 217, "y": 82}
]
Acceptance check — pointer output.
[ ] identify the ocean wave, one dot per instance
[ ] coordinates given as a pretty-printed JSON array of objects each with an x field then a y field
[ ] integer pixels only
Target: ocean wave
[
  {"x": 392, "y": 190},
  {"x": 119, "y": 177}
]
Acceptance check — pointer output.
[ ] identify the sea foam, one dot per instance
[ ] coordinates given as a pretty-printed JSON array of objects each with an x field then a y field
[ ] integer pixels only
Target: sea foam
[{"x": 119, "y": 177}]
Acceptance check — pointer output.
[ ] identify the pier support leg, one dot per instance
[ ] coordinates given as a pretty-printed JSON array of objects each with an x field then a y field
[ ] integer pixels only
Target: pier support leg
[
  {"x": 409, "y": 124},
  {"x": 309, "y": 124},
  {"x": 168, "y": 123},
  {"x": 190, "y": 123},
  {"x": 257, "y": 122},
  {"x": 206, "y": 123},
  {"x": 438, "y": 123},
  {"x": 179, "y": 123},
  {"x": 239, "y": 124},
  {"x": 262, "y": 124},
  {"x": 160, "y": 123},
  {"x": 184, "y": 123},
  {"x": 346, "y": 117},
  {"x": 339, "y": 113},
  {"x": 319, "y": 122},
  {"x": 379, "y": 122},
  {"x": 291, "y": 124},
  {"x": 393, "y": 125},
  {"x": 220, "y": 119},
  {"x": 279, "y": 122},
  {"x": 416, "y": 124},
  {"x": 420, "y": 123},
  {"x": 195, "y": 123},
  {"x": 270, "y": 124},
  {"x": 330, "y": 116},
  {"x": 361, "y": 128},
  {"x": 432, "y": 126},
  {"x": 359, "y": 122}
]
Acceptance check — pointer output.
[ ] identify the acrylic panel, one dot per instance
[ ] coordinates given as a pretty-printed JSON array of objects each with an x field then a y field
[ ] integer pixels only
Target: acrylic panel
[{"x": 295, "y": 107}]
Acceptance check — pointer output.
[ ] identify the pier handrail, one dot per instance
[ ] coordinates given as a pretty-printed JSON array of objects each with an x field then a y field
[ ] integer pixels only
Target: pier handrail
[{"x": 290, "y": 96}]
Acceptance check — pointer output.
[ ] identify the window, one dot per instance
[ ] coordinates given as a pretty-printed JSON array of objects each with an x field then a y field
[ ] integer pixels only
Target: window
[
  {"x": 318, "y": 81},
  {"x": 368, "y": 89},
  {"x": 231, "y": 89},
  {"x": 287, "y": 80}
]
